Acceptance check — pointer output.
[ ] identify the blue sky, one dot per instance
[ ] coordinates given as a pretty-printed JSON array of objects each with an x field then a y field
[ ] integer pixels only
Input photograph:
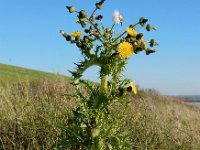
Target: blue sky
[{"x": 29, "y": 37}]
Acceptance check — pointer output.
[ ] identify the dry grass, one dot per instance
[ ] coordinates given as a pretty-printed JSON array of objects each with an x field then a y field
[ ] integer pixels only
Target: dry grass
[
  {"x": 30, "y": 113},
  {"x": 159, "y": 122}
]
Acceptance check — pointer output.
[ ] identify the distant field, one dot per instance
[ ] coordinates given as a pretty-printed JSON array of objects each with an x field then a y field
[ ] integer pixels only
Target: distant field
[{"x": 10, "y": 73}]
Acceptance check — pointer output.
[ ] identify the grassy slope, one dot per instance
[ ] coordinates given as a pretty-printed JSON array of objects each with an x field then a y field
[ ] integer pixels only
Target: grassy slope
[
  {"x": 30, "y": 113},
  {"x": 10, "y": 73}
]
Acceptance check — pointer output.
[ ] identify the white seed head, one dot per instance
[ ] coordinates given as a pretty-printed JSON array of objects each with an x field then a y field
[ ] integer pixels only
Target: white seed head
[{"x": 117, "y": 17}]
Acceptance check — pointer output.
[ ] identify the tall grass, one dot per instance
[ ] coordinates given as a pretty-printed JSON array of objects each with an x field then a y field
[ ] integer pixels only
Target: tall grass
[
  {"x": 31, "y": 111},
  {"x": 158, "y": 122}
]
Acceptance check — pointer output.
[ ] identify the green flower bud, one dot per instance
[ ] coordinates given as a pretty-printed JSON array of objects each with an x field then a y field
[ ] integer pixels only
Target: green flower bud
[
  {"x": 139, "y": 36},
  {"x": 148, "y": 27},
  {"x": 99, "y": 17},
  {"x": 143, "y": 21},
  {"x": 87, "y": 30},
  {"x": 137, "y": 50},
  {"x": 68, "y": 37},
  {"x": 71, "y": 9},
  {"x": 153, "y": 42},
  {"x": 149, "y": 51},
  {"x": 99, "y": 5},
  {"x": 82, "y": 14}
]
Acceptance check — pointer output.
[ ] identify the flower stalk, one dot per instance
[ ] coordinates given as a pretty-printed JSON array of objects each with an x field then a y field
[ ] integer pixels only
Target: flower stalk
[{"x": 104, "y": 83}]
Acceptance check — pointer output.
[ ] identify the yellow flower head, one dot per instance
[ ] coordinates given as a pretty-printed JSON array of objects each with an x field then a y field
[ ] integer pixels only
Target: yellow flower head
[
  {"x": 125, "y": 49},
  {"x": 76, "y": 34},
  {"x": 133, "y": 88},
  {"x": 131, "y": 32}
]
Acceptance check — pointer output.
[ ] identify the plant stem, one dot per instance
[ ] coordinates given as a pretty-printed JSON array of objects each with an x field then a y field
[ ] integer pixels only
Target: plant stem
[
  {"x": 93, "y": 12},
  {"x": 104, "y": 82}
]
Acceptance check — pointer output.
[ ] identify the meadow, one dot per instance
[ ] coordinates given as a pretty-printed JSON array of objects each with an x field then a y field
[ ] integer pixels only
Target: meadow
[{"x": 33, "y": 104}]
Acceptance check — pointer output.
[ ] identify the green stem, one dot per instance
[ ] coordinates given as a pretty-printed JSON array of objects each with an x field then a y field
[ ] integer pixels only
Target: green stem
[
  {"x": 93, "y": 12},
  {"x": 112, "y": 26},
  {"x": 99, "y": 31},
  {"x": 104, "y": 83}
]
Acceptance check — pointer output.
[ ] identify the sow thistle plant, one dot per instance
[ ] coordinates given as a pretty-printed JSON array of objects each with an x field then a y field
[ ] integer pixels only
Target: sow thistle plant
[{"x": 93, "y": 126}]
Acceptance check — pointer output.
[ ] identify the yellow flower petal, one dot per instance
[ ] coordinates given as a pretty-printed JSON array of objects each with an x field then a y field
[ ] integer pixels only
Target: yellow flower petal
[
  {"x": 133, "y": 87},
  {"x": 76, "y": 34},
  {"x": 131, "y": 32},
  {"x": 125, "y": 49}
]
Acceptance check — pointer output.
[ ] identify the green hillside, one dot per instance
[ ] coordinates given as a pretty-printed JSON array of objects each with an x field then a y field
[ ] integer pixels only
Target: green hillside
[{"x": 10, "y": 73}]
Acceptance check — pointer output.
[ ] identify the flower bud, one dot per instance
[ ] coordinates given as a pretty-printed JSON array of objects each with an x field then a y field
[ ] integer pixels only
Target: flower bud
[
  {"x": 63, "y": 33},
  {"x": 87, "y": 30},
  {"x": 99, "y": 4},
  {"x": 99, "y": 17},
  {"x": 149, "y": 51},
  {"x": 132, "y": 88},
  {"x": 129, "y": 89},
  {"x": 148, "y": 27},
  {"x": 139, "y": 36},
  {"x": 143, "y": 21},
  {"x": 82, "y": 14},
  {"x": 71, "y": 9},
  {"x": 153, "y": 42},
  {"x": 68, "y": 37},
  {"x": 137, "y": 50},
  {"x": 131, "y": 32}
]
